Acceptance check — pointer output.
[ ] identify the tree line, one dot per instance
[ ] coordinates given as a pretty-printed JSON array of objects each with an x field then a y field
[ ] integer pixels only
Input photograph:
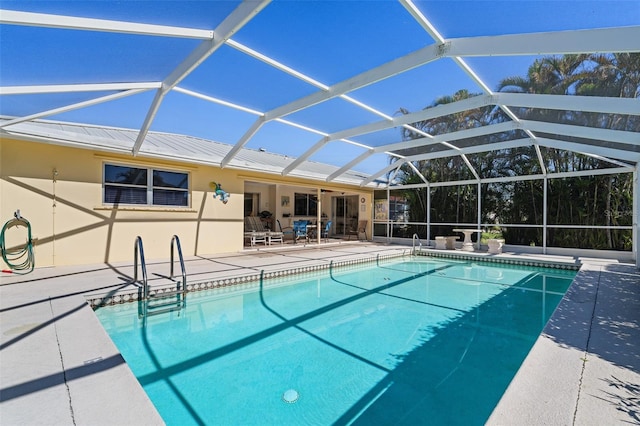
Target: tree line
[{"x": 594, "y": 200}]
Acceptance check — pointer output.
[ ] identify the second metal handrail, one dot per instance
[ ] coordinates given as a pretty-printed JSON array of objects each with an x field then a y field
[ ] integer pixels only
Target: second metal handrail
[
  {"x": 139, "y": 254},
  {"x": 184, "y": 271},
  {"x": 413, "y": 243}
]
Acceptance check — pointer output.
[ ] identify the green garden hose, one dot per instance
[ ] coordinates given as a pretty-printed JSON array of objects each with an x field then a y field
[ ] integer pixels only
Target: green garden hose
[{"x": 19, "y": 259}]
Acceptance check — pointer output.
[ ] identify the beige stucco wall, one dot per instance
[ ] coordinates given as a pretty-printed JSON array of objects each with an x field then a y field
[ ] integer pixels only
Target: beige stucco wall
[{"x": 71, "y": 226}]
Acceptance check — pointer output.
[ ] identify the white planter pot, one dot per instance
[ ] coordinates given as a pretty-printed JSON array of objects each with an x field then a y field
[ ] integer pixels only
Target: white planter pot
[{"x": 495, "y": 245}]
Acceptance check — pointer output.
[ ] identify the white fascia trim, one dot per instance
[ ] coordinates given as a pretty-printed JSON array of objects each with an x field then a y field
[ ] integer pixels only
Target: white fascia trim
[
  {"x": 14, "y": 17},
  {"x": 72, "y": 88}
]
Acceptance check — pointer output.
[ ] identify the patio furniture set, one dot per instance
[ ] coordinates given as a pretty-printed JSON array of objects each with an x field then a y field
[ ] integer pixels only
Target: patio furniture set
[{"x": 255, "y": 232}]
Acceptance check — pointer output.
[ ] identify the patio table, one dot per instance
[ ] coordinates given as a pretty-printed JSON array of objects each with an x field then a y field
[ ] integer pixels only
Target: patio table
[{"x": 467, "y": 245}]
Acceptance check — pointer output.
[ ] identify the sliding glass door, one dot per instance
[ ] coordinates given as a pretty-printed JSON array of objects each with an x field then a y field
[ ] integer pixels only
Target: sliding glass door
[{"x": 344, "y": 214}]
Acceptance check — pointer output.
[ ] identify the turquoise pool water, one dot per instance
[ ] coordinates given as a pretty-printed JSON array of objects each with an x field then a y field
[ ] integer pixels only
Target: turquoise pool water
[{"x": 402, "y": 342}]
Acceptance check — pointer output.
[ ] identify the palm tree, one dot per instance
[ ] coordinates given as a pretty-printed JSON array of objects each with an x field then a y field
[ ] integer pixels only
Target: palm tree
[
  {"x": 521, "y": 202},
  {"x": 601, "y": 75}
]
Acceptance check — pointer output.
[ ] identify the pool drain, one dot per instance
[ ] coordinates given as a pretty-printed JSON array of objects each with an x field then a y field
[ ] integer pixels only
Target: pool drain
[{"x": 290, "y": 396}]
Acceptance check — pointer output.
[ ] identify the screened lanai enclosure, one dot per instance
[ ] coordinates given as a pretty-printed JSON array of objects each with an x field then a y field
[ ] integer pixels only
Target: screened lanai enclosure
[{"x": 520, "y": 119}]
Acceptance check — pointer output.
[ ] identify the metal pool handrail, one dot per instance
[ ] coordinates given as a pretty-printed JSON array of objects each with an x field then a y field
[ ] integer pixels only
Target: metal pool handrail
[
  {"x": 138, "y": 253},
  {"x": 184, "y": 271},
  {"x": 413, "y": 243}
]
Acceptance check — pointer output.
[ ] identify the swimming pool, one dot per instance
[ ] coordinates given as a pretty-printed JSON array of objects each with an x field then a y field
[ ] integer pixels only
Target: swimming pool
[{"x": 401, "y": 342}]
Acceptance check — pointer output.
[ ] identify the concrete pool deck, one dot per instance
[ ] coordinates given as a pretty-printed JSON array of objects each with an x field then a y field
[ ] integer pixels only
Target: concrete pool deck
[{"x": 58, "y": 366}]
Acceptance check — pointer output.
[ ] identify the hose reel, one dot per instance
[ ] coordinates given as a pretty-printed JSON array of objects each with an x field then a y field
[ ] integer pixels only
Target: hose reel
[{"x": 19, "y": 258}]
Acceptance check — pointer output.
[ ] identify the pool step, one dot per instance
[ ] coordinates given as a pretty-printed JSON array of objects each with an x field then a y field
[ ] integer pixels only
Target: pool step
[
  {"x": 156, "y": 311},
  {"x": 166, "y": 295},
  {"x": 160, "y": 303}
]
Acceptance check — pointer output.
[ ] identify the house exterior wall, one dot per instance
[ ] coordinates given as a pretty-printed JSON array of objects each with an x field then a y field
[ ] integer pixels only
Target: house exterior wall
[
  {"x": 59, "y": 190},
  {"x": 70, "y": 225}
]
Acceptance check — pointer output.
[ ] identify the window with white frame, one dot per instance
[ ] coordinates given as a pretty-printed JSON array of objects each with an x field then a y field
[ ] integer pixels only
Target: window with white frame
[
  {"x": 305, "y": 204},
  {"x": 144, "y": 186}
]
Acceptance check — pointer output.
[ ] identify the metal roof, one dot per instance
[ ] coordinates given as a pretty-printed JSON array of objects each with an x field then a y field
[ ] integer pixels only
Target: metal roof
[
  {"x": 169, "y": 146},
  {"x": 176, "y": 65}
]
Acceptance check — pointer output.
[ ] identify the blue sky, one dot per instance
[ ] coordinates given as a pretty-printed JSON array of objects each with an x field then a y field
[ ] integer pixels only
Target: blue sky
[{"x": 329, "y": 41}]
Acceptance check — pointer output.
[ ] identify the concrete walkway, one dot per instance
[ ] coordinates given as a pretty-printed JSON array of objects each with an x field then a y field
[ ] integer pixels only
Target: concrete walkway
[
  {"x": 59, "y": 367},
  {"x": 585, "y": 367}
]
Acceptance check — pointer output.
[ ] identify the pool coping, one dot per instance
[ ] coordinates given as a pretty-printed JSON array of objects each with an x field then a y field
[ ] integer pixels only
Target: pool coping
[
  {"x": 241, "y": 281},
  {"x": 250, "y": 280}
]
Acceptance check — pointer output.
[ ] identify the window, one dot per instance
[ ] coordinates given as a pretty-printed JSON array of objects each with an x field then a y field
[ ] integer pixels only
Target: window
[
  {"x": 251, "y": 203},
  {"x": 145, "y": 186},
  {"x": 305, "y": 205}
]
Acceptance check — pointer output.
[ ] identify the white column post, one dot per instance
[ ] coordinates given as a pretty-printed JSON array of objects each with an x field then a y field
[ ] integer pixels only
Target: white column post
[
  {"x": 635, "y": 237},
  {"x": 544, "y": 215},
  {"x": 479, "y": 212},
  {"x": 319, "y": 216},
  {"x": 428, "y": 214}
]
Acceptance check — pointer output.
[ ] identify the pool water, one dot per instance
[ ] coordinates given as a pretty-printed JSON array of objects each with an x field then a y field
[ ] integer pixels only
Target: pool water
[{"x": 401, "y": 342}]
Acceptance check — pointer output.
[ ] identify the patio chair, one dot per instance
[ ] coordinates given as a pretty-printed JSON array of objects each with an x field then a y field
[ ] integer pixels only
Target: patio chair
[
  {"x": 361, "y": 229},
  {"x": 286, "y": 231},
  {"x": 275, "y": 237},
  {"x": 300, "y": 230},
  {"x": 272, "y": 236},
  {"x": 251, "y": 234},
  {"x": 256, "y": 225},
  {"x": 325, "y": 232}
]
